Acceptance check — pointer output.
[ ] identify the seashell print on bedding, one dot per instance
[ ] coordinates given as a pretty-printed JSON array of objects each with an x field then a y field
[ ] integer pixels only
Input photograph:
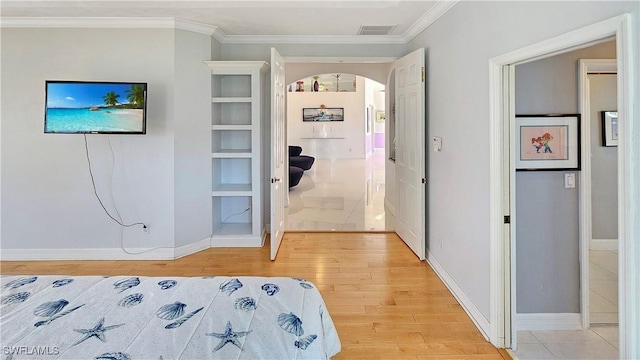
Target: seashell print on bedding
[
  {"x": 245, "y": 304},
  {"x": 167, "y": 284},
  {"x": 171, "y": 311},
  {"x": 304, "y": 342},
  {"x": 126, "y": 284},
  {"x": 291, "y": 324},
  {"x": 49, "y": 320},
  {"x": 183, "y": 319},
  {"x": 113, "y": 356},
  {"x": 131, "y": 300},
  {"x": 230, "y": 286},
  {"x": 15, "y": 298},
  {"x": 20, "y": 282},
  {"x": 271, "y": 289},
  {"x": 50, "y": 308},
  {"x": 62, "y": 282}
]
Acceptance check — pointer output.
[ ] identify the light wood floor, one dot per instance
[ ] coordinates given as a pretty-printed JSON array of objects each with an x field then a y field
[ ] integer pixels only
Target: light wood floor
[{"x": 385, "y": 303}]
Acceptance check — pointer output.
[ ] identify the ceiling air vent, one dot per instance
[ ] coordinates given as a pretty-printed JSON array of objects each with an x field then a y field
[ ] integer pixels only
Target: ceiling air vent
[{"x": 376, "y": 29}]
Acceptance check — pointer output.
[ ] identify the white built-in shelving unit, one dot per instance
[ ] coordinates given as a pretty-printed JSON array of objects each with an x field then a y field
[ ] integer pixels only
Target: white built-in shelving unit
[{"x": 237, "y": 105}]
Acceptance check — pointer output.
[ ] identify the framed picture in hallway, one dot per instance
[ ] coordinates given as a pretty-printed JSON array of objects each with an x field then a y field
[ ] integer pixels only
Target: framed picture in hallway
[
  {"x": 609, "y": 128},
  {"x": 323, "y": 114},
  {"x": 547, "y": 142}
]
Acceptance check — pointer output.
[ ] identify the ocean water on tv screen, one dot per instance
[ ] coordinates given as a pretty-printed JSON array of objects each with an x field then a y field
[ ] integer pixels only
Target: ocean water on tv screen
[{"x": 70, "y": 120}]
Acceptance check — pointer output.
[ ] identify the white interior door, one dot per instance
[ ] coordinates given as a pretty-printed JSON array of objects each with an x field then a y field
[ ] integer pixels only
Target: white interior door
[
  {"x": 410, "y": 151},
  {"x": 278, "y": 151}
]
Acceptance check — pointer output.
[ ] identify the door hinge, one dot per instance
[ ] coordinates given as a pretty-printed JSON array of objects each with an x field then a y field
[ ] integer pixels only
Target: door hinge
[
  {"x": 424, "y": 180},
  {"x": 507, "y": 219},
  {"x": 422, "y": 73},
  {"x": 273, "y": 180}
]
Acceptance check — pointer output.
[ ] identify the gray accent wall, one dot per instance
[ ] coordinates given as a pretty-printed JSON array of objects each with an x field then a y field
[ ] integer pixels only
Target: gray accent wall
[
  {"x": 192, "y": 138},
  {"x": 47, "y": 198},
  {"x": 458, "y": 47},
  {"x": 547, "y": 214},
  {"x": 263, "y": 51},
  {"x": 604, "y": 160}
]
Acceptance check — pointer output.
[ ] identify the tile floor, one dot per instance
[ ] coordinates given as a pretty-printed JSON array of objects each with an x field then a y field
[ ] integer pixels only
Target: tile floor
[
  {"x": 598, "y": 342},
  {"x": 603, "y": 287},
  {"x": 341, "y": 195}
]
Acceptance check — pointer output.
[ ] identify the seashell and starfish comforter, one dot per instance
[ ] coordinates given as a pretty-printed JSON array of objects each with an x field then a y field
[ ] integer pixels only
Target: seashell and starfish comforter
[{"x": 135, "y": 317}]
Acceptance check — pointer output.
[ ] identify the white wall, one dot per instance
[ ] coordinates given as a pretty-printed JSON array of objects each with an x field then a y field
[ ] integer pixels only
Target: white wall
[
  {"x": 458, "y": 48},
  {"x": 351, "y": 130}
]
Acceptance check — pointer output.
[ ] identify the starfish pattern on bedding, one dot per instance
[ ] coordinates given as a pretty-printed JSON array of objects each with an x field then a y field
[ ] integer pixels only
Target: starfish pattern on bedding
[
  {"x": 98, "y": 331},
  {"x": 229, "y": 336}
]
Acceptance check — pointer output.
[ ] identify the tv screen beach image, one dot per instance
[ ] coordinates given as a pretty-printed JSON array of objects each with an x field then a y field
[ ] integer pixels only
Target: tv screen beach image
[{"x": 79, "y": 107}]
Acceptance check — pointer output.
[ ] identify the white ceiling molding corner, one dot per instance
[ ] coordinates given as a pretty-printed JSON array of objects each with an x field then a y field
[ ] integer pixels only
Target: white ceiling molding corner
[
  {"x": 433, "y": 14},
  {"x": 197, "y": 28},
  {"x": 219, "y": 35}
]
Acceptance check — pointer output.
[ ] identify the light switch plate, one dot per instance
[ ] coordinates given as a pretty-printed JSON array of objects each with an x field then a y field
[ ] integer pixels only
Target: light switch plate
[
  {"x": 569, "y": 180},
  {"x": 437, "y": 143}
]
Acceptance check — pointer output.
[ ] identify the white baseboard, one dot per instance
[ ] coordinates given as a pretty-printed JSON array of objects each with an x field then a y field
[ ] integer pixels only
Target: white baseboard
[
  {"x": 603, "y": 244},
  {"x": 87, "y": 254},
  {"x": 467, "y": 304},
  {"x": 239, "y": 240},
  {"x": 192, "y": 248},
  {"x": 552, "y": 321},
  {"x": 389, "y": 207},
  {"x": 164, "y": 253}
]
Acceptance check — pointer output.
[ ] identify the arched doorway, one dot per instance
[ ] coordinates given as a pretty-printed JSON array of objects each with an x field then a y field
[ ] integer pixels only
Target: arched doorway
[{"x": 338, "y": 120}]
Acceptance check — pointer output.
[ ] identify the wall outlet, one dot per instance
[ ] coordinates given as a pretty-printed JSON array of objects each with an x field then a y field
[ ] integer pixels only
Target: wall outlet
[{"x": 145, "y": 229}]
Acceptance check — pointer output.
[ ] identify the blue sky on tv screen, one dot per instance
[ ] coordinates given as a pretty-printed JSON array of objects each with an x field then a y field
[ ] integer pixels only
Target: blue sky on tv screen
[{"x": 83, "y": 95}]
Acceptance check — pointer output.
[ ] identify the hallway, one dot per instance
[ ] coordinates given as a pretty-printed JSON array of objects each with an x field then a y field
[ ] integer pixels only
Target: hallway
[{"x": 341, "y": 195}]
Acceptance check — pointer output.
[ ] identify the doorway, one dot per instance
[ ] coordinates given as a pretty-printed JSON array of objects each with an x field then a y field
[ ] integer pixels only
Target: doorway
[
  {"x": 502, "y": 170},
  {"x": 599, "y": 218},
  {"x": 345, "y": 188},
  {"x": 550, "y": 213},
  {"x": 409, "y": 149}
]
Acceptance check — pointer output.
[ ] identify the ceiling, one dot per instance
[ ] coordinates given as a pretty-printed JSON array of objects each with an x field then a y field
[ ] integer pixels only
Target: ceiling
[{"x": 249, "y": 18}]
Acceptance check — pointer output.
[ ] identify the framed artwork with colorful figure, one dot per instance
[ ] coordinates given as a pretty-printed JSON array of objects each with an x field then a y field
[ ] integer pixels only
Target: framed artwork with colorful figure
[{"x": 547, "y": 142}]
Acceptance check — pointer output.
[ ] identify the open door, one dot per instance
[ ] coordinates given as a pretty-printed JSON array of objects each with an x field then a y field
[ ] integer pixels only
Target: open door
[
  {"x": 278, "y": 144},
  {"x": 410, "y": 151}
]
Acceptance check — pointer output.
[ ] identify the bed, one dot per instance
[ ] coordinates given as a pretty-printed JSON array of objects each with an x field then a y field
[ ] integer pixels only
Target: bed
[{"x": 136, "y": 317}]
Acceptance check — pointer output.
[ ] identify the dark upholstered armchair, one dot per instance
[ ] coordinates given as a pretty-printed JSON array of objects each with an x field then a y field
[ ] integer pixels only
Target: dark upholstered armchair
[{"x": 298, "y": 164}]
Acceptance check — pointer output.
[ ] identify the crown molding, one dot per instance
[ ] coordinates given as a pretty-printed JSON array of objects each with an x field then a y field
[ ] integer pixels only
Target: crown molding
[
  {"x": 440, "y": 7},
  {"x": 426, "y": 20},
  {"x": 88, "y": 22},
  {"x": 313, "y": 39},
  {"x": 339, "y": 60},
  {"x": 109, "y": 23},
  {"x": 197, "y": 28}
]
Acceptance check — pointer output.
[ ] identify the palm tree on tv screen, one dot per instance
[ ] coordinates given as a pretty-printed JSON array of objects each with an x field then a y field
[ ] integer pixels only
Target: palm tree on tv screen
[
  {"x": 111, "y": 99},
  {"x": 135, "y": 95}
]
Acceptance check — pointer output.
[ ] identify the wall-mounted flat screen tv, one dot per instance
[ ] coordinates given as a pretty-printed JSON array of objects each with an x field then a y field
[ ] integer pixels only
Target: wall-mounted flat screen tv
[
  {"x": 84, "y": 107},
  {"x": 320, "y": 114}
]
